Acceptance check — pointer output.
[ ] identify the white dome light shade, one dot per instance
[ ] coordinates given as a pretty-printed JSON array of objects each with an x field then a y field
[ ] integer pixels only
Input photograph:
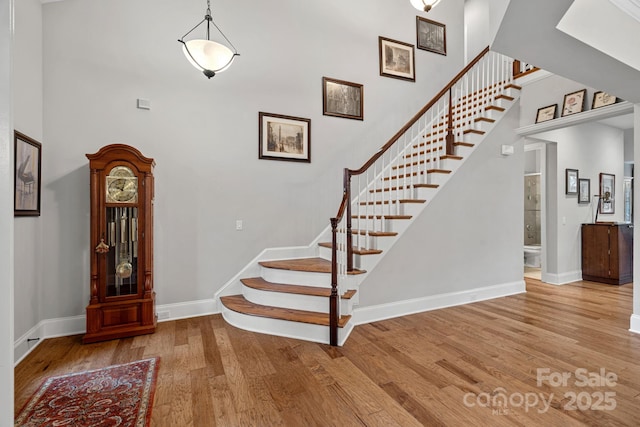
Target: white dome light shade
[
  {"x": 424, "y": 5},
  {"x": 208, "y": 55}
]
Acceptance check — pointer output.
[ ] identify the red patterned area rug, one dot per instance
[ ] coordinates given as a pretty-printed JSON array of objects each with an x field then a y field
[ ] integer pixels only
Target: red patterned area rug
[{"x": 119, "y": 395}]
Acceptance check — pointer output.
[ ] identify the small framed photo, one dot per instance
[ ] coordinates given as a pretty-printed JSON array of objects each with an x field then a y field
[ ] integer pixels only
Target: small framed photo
[
  {"x": 284, "y": 138},
  {"x": 397, "y": 59},
  {"x": 573, "y": 102},
  {"x": 602, "y": 99},
  {"x": 431, "y": 35},
  {"x": 342, "y": 99},
  {"x": 28, "y": 161},
  {"x": 607, "y": 193},
  {"x": 571, "y": 181},
  {"x": 584, "y": 190},
  {"x": 546, "y": 113}
]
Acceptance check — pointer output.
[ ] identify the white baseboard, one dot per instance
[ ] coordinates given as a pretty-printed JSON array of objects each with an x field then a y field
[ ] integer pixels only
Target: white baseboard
[
  {"x": 403, "y": 308},
  {"x": 635, "y": 323},
  {"x": 74, "y": 325},
  {"x": 563, "y": 278}
]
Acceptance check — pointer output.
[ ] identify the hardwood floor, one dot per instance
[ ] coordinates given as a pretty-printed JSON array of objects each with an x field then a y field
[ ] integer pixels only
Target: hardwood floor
[{"x": 445, "y": 367}]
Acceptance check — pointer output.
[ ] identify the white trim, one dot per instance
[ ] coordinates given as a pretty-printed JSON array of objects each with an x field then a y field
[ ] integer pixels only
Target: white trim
[
  {"x": 563, "y": 278},
  {"x": 74, "y": 325},
  {"x": 614, "y": 110},
  {"x": 418, "y": 305},
  {"x": 532, "y": 77},
  {"x": 635, "y": 324}
]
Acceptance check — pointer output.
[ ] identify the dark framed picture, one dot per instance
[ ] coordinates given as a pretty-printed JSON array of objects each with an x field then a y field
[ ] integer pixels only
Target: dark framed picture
[
  {"x": 573, "y": 102},
  {"x": 607, "y": 193},
  {"x": 284, "y": 138},
  {"x": 431, "y": 35},
  {"x": 601, "y": 99},
  {"x": 28, "y": 161},
  {"x": 397, "y": 59},
  {"x": 342, "y": 99},
  {"x": 546, "y": 113},
  {"x": 584, "y": 190},
  {"x": 571, "y": 181}
]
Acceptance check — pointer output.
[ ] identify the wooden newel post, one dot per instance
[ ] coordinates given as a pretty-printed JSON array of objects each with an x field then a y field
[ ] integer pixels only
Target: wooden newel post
[
  {"x": 450, "y": 138},
  {"x": 333, "y": 299},
  {"x": 347, "y": 191}
]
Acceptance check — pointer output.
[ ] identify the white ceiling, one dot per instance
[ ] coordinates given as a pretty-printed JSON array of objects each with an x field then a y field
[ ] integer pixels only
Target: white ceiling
[{"x": 529, "y": 32}]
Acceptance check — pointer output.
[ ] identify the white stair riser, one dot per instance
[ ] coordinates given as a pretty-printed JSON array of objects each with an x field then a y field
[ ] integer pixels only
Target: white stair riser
[
  {"x": 290, "y": 277},
  {"x": 492, "y": 114},
  {"x": 472, "y": 138},
  {"x": 283, "y": 328},
  {"x": 501, "y": 102},
  {"x": 438, "y": 178},
  {"x": 483, "y": 126},
  {"x": 293, "y": 301},
  {"x": 464, "y": 151},
  {"x": 395, "y": 225},
  {"x": 366, "y": 262},
  {"x": 395, "y": 209}
]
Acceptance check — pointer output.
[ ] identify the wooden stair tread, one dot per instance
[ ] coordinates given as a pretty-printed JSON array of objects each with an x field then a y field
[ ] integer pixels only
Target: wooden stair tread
[
  {"x": 451, "y": 157},
  {"x": 375, "y": 233},
  {"x": 386, "y": 202},
  {"x": 513, "y": 86},
  {"x": 311, "y": 265},
  {"x": 484, "y": 119},
  {"x": 506, "y": 97},
  {"x": 239, "y": 304},
  {"x": 463, "y": 144},
  {"x": 260, "y": 284},
  {"x": 478, "y": 132},
  {"x": 316, "y": 291},
  {"x": 356, "y": 250},
  {"x": 380, "y": 216},
  {"x": 495, "y": 107},
  {"x": 402, "y": 187}
]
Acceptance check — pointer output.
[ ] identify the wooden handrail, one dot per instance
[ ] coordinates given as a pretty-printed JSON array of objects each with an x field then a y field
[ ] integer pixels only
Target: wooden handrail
[
  {"x": 420, "y": 113},
  {"x": 345, "y": 204}
]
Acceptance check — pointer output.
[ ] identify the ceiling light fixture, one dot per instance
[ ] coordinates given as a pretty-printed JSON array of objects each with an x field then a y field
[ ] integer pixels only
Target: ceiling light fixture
[
  {"x": 207, "y": 55},
  {"x": 424, "y": 5}
]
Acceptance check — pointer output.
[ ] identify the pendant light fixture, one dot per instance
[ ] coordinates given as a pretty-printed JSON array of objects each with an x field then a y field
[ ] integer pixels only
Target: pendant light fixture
[
  {"x": 424, "y": 5},
  {"x": 206, "y": 55}
]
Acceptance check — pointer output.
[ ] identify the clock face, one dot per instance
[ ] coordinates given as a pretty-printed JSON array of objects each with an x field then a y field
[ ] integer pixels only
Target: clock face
[{"x": 122, "y": 185}]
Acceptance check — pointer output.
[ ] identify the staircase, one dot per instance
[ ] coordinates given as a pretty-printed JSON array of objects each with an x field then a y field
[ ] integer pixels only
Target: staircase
[{"x": 310, "y": 293}]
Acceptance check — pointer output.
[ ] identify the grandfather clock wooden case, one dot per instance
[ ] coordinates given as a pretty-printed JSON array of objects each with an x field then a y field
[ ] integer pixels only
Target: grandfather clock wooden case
[{"x": 122, "y": 297}]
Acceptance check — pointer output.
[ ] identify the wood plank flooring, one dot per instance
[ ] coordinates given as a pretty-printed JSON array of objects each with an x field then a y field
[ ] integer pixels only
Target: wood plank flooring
[{"x": 445, "y": 367}]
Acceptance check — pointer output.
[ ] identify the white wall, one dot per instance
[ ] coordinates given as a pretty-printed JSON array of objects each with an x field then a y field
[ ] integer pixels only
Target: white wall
[
  {"x": 6, "y": 216},
  {"x": 482, "y": 19},
  {"x": 203, "y": 133},
  {"x": 592, "y": 149},
  {"x": 469, "y": 237},
  {"x": 27, "y": 118}
]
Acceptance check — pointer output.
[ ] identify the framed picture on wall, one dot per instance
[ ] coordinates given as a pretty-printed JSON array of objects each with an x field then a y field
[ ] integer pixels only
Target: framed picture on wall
[
  {"x": 284, "y": 138},
  {"x": 584, "y": 190},
  {"x": 342, "y": 99},
  {"x": 431, "y": 35},
  {"x": 607, "y": 193},
  {"x": 396, "y": 59},
  {"x": 546, "y": 113},
  {"x": 573, "y": 102},
  {"x": 601, "y": 99},
  {"x": 28, "y": 160},
  {"x": 571, "y": 181}
]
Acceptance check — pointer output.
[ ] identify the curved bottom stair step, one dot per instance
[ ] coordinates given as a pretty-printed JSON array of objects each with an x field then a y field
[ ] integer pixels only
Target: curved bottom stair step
[{"x": 239, "y": 304}]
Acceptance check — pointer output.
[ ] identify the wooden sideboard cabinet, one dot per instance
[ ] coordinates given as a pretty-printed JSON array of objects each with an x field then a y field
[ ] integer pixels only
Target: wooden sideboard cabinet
[{"x": 607, "y": 253}]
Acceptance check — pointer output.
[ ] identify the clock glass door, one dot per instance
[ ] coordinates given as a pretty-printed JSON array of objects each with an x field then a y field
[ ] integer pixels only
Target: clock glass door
[{"x": 122, "y": 258}]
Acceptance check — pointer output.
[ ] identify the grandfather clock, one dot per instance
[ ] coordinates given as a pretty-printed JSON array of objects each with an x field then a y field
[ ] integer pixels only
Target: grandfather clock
[{"x": 122, "y": 297}]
